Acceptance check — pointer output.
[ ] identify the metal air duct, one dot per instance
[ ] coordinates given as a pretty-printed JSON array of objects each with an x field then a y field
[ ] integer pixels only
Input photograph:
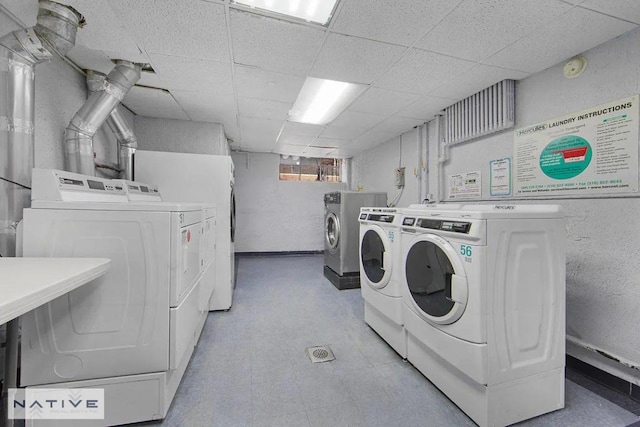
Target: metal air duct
[
  {"x": 20, "y": 52},
  {"x": 127, "y": 141},
  {"x": 92, "y": 115}
]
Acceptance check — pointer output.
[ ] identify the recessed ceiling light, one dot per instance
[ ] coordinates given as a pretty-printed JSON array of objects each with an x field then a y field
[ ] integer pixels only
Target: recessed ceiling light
[
  {"x": 318, "y": 11},
  {"x": 320, "y": 101}
]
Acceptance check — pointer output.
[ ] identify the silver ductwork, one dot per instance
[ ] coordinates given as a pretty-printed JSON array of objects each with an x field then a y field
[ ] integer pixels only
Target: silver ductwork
[
  {"x": 20, "y": 52},
  {"x": 127, "y": 141},
  {"x": 92, "y": 115}
]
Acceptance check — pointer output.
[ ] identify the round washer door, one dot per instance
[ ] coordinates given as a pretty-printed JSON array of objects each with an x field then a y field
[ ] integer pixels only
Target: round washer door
[
  {"x": 375, "y": 256},
  {"x": 332, "y": 232},
  {"x": 436, "y": 279}
]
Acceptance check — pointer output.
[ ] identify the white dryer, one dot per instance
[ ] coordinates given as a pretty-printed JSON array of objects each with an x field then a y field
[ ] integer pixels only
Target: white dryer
[
  {"x": 483, "y": 306},
  {"x": 380, "y": 274},
  {"x": 200, "y": 178},
  {"x": 132, "y": 331}
]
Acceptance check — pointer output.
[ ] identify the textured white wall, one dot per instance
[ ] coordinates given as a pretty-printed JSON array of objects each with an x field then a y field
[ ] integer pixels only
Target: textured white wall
[
  {"x": 274, "y": 215},
  {"x": 60, "y": 92},
  {"x": 374, "y": 169},
  {"x": 180, "y": 136},
  {"x": 603, "y": 279}
]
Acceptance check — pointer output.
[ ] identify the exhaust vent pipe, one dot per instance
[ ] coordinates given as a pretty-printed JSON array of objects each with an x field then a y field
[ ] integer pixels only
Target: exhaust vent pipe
[
  {"x": 127, "y": 141},
  {"x": 92, "y": 115},
  {"x": 20, "y": 52}
]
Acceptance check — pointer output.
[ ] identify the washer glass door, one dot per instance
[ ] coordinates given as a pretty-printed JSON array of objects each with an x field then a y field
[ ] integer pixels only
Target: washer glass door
[
  {"x": 332, "y": 231},
  {"x": 373, "y": 252},
  {"x": 436, "y": 287}
]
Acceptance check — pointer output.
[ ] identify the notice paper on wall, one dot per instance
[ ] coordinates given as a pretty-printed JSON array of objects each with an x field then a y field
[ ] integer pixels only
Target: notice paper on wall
[
  {"x": 594, "y": 151},
  {"x": 465, "y": 186},
  {"x": 500, "y": 178}
]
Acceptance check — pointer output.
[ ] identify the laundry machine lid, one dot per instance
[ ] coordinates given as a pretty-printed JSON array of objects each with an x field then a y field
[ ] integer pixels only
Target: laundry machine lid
[
  {"x": 375, "y": 256},
  {"x": 436, "y": 279}
]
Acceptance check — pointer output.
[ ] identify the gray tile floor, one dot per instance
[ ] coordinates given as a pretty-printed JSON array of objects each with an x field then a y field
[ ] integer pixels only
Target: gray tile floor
[{"x": 250, "y": 367}]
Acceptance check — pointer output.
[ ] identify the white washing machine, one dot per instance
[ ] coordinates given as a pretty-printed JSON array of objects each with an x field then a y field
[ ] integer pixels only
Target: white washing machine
[
  {"x": 341, "y": 259},
  {"x": 484, "y": 306},
  {"x": 380, "y": 274},
  {"x": 132, "y": 331}
]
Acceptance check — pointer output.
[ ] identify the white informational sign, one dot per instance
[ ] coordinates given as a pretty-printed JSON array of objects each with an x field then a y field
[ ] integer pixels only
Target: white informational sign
[
  {"x": 500, "y": 178},
  {"x": 465, "y": 186},
  {"x": 594, "y": 151}
]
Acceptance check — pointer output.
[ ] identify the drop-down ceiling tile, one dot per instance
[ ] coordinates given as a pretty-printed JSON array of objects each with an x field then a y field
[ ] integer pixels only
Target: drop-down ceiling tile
[
  {"x": 153, "y": 103},
  {"x": 420, "y": 72},
  {"x": 259, "y": 134},
  {"x": 397, "y": 125},
  {"x": 623, "y": 9},
  {"x": 286, "y": 139},
  {"x": 105, "y": 31},
  {"x": 382, "y": 101},
  {"x": 533, "y": 53},
  {"x": 90, "y": 59},
  {"x": 329, "y": 142},
  {"x": 206, "y": 106},
  {"x": 400, "y": 22},
  {"x": 263, "y": 109},
  {"x": 476, "y": 79},
  {"x": 355, "y": 121},
  {"x": 302, "y": 129},
  {"x": 261, "y": 84},
  {"x": 187, "y": 28},
  {"x": 353, "y": 59},
  {"x": 478, "y": 29},
  {"x": 190, "y": 74},
  {"x": 273, "y": 44},
  {"x": 426, "y": 108}
]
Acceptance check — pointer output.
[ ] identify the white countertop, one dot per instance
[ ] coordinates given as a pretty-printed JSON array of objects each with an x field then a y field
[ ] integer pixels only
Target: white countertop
[{"x": 27, "y": 283}]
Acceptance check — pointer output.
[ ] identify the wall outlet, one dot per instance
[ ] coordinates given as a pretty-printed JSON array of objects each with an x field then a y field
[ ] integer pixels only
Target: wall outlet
[{"x": 400, "y": 177}]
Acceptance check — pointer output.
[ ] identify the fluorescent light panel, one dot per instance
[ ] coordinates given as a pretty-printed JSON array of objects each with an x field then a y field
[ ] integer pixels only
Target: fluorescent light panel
[
  {"x": 318, "y": 11},
  {"x": 320, "y": 101}
]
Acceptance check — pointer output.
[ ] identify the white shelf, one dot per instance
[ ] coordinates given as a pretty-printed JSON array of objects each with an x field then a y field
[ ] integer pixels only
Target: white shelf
[{"x": 27, "y": 283}]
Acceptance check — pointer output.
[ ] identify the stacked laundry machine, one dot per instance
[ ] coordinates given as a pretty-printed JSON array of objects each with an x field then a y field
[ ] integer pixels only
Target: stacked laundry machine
[
  {"x": 482, "y": 291},
  {"x": 132, "y": 331}
]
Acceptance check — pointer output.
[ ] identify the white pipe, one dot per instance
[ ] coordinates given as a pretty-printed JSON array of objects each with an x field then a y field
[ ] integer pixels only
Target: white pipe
[
  {"x": 420, "y": 161},
  {"x": 425, "y": 159}
]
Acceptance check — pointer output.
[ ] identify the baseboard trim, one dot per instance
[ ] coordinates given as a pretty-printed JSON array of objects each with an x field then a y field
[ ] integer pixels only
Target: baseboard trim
[
  {"x": 278, "y": 253},
  {"x": 621, "y": 385}
]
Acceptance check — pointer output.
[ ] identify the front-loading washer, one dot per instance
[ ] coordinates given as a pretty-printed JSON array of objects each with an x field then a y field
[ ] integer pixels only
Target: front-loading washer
[
  {"x": 483, "y": 306},
  {"x": 379, "y": 274},
  {"x": 341, "y": 210}
]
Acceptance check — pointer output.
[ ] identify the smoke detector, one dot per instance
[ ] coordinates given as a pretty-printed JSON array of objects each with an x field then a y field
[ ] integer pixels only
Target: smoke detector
[{"x": 574, "y": 67}]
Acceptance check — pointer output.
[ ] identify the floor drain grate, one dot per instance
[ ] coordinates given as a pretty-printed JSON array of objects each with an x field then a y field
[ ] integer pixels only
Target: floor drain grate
[{"x": 320, "y": 353}]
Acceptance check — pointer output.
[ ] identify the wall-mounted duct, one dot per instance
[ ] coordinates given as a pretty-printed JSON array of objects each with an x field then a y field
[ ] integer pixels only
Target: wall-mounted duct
[
  {"x": 92, "y": 115},
  {"x": 127, "y": 141},
  {"x": 20, "y": 52}
]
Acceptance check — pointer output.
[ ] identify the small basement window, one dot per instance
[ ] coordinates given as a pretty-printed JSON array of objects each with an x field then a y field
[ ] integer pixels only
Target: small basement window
[{"x": 294, "y": 168}]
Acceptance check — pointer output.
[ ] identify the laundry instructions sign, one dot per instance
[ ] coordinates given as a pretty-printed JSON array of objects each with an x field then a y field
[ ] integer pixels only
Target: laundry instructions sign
[{"x": 594, "y": 151}]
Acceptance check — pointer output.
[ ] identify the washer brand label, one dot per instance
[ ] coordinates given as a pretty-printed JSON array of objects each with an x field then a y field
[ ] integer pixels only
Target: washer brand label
[{"x": 505, "y": 207}]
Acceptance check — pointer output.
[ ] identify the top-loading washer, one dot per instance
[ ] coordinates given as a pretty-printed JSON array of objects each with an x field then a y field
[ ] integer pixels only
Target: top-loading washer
[
  {"x": 483, "y": 306},
  {"x": 132, "y": 331},
  {"x": 341, "y": 237}
]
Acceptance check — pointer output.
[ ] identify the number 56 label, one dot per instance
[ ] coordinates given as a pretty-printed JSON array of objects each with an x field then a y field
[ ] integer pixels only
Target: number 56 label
[{"x": 465, "y": 250}]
